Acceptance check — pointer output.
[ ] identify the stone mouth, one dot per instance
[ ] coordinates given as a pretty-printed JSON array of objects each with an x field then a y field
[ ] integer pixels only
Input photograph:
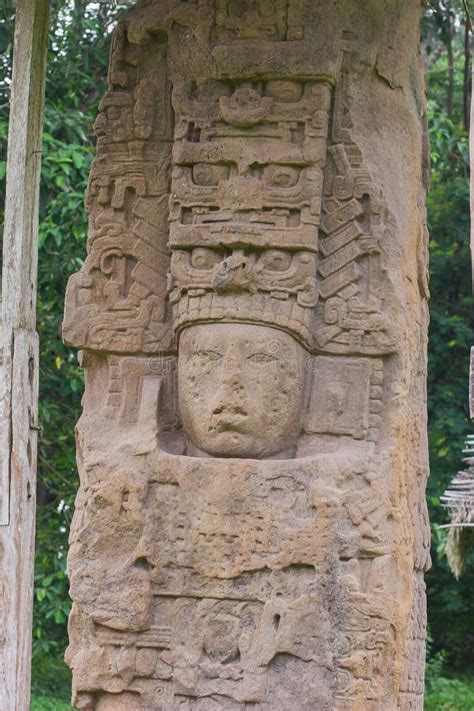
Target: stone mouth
[{"x": 231, "y": 418}]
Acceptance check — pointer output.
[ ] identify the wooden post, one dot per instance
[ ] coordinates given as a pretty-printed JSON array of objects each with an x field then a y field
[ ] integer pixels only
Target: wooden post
[{"x": 19, "y": 377}]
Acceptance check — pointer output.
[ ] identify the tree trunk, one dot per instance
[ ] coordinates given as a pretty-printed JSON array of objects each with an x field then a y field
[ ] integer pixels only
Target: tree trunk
[
  {"x": 467, "y": 75},
  {"x": 450, "y": 97},
  {"x": 251, "y": 526}
]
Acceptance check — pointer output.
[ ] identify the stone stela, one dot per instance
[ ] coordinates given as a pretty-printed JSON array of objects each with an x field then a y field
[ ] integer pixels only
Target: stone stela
[{"x": 251, "y": 529}]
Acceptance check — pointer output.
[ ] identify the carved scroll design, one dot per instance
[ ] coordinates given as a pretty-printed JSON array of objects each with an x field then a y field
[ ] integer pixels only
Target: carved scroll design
[
  {"x": 117, "y": 302},
  {"x": 352, "y": 317}
]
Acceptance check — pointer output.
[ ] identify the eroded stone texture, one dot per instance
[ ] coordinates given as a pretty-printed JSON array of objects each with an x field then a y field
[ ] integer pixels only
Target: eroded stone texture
[{"x": 251, "y": 530}]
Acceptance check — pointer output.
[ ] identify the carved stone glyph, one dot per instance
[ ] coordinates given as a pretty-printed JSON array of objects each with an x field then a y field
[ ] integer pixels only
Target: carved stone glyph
[{"x": 250, "y": 528}]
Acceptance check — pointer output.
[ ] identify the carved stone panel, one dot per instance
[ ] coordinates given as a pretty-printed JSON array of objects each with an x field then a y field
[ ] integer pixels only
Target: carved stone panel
[
  {"x": 345, "y": 397},
  {"x": 250, "y": 527}
]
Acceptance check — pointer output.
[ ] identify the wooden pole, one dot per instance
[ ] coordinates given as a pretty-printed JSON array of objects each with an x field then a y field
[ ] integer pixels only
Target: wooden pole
[{"x": 19, "y": 377}]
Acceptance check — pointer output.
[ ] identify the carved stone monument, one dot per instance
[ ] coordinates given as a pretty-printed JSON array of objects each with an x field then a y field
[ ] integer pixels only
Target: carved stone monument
[{"x": 251, "y": 529}]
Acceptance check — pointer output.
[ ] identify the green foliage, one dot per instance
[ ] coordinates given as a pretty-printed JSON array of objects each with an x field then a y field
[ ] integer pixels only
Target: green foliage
[
  {"x": 450, "y": 602},
  {"x": 47, "y": 703},
  {"x": 445, "y": 694},
  {"x": 434, "y": 668}
]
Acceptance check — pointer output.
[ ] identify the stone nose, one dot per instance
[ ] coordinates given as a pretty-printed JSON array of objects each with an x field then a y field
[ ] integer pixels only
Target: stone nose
[
  {"x": 232, "y": 373},
  {"x": 230, "y": 388}
]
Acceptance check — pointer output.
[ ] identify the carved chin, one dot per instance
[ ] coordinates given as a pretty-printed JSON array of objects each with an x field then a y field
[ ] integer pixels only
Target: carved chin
[{"x": 232, "y": 443}]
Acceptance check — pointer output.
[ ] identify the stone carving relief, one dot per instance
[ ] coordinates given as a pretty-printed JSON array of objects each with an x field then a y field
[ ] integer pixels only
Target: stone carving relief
[
  {"x": 245, "y": 530},
  {"x": 117, "y": 301}
]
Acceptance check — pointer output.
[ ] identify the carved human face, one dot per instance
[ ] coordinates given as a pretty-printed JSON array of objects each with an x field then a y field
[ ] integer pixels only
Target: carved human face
[{"x": 241, "y": 389}]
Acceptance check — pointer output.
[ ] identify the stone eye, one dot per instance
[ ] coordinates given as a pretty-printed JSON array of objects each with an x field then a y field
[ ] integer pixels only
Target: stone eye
[
  {"x": 260, "y": 358},
  {"x": 210, "y": 355},
  {"x": 276, "y": 260},
  {"x": 209, "y": 175},
  {"x": 202, "y": 258},
  {"x": 281, "y": 176}
]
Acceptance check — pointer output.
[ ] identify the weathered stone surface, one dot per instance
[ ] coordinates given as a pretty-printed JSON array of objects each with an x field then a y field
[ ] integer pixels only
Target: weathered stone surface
[{"x": 251, "y": 529}]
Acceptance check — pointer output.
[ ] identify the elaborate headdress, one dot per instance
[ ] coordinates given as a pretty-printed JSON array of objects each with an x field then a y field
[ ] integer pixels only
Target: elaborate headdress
[
  {"x": 271, "y": 286},
  {"x": 245, "y": 212}
]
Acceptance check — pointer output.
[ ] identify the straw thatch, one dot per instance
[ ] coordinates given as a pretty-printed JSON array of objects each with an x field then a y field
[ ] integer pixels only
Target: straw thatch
[{"x": 459, "y": 500}]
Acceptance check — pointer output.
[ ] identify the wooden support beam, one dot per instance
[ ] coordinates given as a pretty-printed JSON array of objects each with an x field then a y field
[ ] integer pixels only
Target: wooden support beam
[{"x": 19, "y": 376}]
